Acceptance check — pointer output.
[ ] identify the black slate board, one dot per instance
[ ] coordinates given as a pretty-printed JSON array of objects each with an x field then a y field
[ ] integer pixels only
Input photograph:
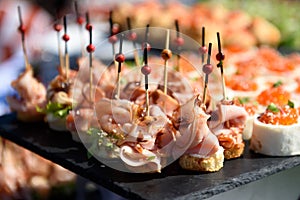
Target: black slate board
[{"x": 172, "y": 183}]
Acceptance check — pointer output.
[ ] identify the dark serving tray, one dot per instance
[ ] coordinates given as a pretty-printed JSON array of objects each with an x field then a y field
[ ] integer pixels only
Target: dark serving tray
[{"x": 171, "y": 183}]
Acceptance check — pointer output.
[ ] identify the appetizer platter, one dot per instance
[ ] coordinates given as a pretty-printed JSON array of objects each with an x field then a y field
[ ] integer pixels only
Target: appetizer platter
[{"x": 164, "y": 106}]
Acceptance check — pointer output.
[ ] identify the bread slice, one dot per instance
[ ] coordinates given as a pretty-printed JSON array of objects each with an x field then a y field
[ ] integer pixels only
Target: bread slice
[{"x": 195, "y": 162}]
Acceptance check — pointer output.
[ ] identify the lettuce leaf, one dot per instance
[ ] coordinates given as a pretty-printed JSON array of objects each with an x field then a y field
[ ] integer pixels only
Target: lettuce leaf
[{"x": 57, "y": 109}]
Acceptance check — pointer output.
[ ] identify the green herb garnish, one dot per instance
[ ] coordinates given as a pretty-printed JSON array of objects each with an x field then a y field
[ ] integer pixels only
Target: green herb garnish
[
  {"x": 57, "y": 109},
  {"x": 244, "y": 100},
  {"x": 291, "y": 104},
  {"x": 151, "y": 158},
  {"x": 277, "y": 84},
  {"x": 273, "y": 108}
]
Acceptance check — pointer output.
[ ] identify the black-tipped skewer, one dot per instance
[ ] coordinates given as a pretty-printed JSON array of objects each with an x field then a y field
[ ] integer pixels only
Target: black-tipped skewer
[
  {"x": 220, "y": 57},
  {"x": 179, "y": 43},
  {"x": 90, "y": 49},
  {"x": 146, "y": 70},
  {"x": 120, "y": 58},
  {"x": 207, "y": 69},
  {"x": 22, "y": 30},
  {"x": 66, "y": 38},
  {"x": 132, "y": 37},
  {"x": 80, "y": 21}
]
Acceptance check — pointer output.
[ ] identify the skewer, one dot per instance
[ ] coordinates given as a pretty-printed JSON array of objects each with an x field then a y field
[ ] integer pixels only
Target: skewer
[
  {"x": 207, "y": 69},
  {"x": 66, "y": 38},
  {"x": 90, "y": 49},
  {"x": 146, "y": 70},
  {"x": 132, "y": 37},
  {"x": 120, "y": 58},
  {"x": 79, "y": 20},
  {"x": 22, "y": 30},
  {"x": 220, "y": 57},
  {"x": 146, "y": 44},
  {"x": 113, "y": 38},
  {"x": 179, "y": 42},
  {"x": 203, "y": 48},
  {"x": 57, "y": 27},
  {"x": 166, "y": 55}
]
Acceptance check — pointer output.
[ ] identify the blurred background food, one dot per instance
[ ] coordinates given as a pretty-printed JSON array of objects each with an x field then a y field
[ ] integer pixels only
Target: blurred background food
[{"x": 242, "y": 24}]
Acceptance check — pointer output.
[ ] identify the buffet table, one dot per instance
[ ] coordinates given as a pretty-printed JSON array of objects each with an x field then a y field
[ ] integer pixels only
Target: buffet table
[{"x": 172, "y": 183}]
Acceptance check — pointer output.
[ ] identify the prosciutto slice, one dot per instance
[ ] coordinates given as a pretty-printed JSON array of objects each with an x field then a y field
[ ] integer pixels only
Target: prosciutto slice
[{"x": 195, "y": 136}]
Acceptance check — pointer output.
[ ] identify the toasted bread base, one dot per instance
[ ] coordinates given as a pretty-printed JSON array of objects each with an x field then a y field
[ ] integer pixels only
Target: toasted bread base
[
  {"x": 211, "y": 164},
  {"x": 235, "y": 151}
]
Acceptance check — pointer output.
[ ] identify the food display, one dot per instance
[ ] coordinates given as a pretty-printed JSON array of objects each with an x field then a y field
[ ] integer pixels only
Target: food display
[{"x": 140, "y": 112}]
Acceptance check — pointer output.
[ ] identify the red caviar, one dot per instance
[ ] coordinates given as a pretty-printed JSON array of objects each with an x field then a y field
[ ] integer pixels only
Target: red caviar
[
  {"x": 276, "y": 95},
  {"x": 284, "y": 116}
]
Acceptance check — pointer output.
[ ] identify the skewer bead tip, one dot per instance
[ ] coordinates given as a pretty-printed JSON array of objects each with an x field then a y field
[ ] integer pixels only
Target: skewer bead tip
[
  {"x": 132, "y": 36},
  {"x": 220, "y": 56},
  {"x": 80, "y": 20},
  {"x": 113, "y": 39},
  {"x": 146, "y": 45},
  {"x": 90, "y": 48},
  {"x": 146, "y": 70},
  {"x": 207, "y": 68},
  {"x": 166, "y": 54},
  {"x": 88, "y": 26},
  {"x": 203, "y": 49},
  {"x": 120, "y": 57},
  {"x": 57, "y": 27},
  {"x": 22, "y": 28},
  {"x": 179, "y": 41},
  {"x": 66, "y": 37}
]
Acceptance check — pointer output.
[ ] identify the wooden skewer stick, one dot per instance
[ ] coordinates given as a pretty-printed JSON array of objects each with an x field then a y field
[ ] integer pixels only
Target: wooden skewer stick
[
  {"x": 166, "y": 55},
  {"x": 179, "y": 42},
  {"x": 22, "y": 30},
  {"x": 66, "y": 38},
  {"x": 203, "y": 47},
  {"x": 132, "y": 36},
  {"x": 79, "y": 20},
  {"x": 57, "y": 27},
  {"x": 120, "y": 58},
  {"x": 146, "y": 70},
  {"x": 113, "y": 38},
  {"x": 220, "y": 57},
  {"x": 207, "y": 69},
  {"x": 90, "y": 49}
]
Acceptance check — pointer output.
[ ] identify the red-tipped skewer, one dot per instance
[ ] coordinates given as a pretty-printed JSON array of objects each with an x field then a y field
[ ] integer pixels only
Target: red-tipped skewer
[
  {"x": 166, "y": 55},
  {"x": 57, "y": 27},
  {"x": 203, "y": 48},
  {"x": 120, "y": 58},
  {"x": 90, "y": 49},
  {"x": 207, "y": 69},
  {"x": 146, "y": 70},
  {"x": 66, "y": 38},
  {"x": 132, "y": 37},
  {"x": 22, "y": 30},
  {"x": 113, "y": 38},
  {"x": 80, "y": 21},
  {"x": 220, "y": 57}
]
